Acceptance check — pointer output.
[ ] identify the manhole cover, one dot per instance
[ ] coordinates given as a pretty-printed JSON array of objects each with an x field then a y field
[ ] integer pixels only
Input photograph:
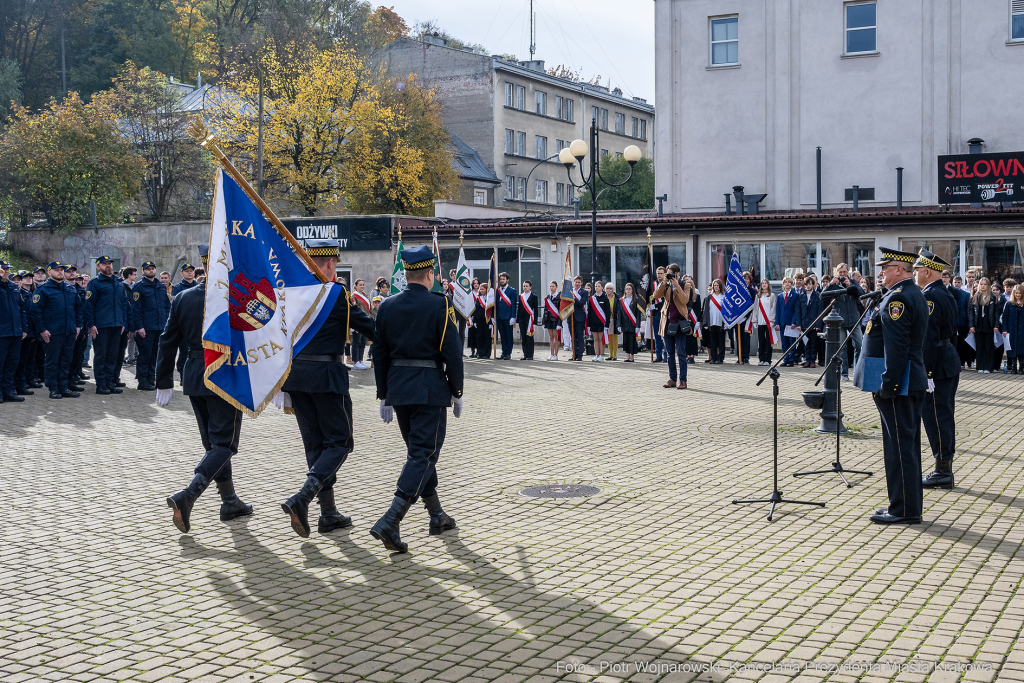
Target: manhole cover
[{"x": 560, "y": 491}]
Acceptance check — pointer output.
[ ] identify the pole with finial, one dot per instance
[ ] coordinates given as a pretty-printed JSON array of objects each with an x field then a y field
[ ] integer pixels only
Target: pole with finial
[{"x": 650, "y": 278}]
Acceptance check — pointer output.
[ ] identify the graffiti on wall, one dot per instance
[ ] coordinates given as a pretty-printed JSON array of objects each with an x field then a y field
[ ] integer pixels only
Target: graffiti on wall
[{"x": 82, "y": 250}]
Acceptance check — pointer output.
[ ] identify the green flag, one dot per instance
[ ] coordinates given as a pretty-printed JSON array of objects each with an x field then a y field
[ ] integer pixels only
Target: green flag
[
  {"x": 437, "y": 267},
  {"x": 398, "y": 274}
]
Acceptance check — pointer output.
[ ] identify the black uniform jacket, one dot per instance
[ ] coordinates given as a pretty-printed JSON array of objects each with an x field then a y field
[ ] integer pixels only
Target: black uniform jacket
[
  {"x": 523, "y": 314},
  {"x": 317, "y": 377},
  {"x": 941, "y": 361},
  {"x": 897, "y": 328},
  {"x": 185, "y": 322},
  {"x": 417, "y": 325}
]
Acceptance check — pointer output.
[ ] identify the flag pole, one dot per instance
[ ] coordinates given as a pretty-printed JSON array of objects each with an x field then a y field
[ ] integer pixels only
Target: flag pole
[
  {"x": 494, "y": 311},
  {"x": 206, "y": 140},
  {"x": 650, "y": 321}
]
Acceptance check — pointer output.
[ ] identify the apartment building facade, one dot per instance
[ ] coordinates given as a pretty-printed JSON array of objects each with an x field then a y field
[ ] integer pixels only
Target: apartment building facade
[{"x": 518, "y": 117}]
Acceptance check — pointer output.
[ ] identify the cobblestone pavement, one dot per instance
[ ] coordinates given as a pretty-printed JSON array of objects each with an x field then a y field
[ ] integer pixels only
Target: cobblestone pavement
[{"x": 658, "y": 570}]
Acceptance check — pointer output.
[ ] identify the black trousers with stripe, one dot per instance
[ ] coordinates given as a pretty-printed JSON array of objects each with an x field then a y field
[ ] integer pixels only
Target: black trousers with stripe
[
  {"x": 937, "y": 413},
  {"x": 901, "y": 447},
  {"x": 423, "y": 429}
]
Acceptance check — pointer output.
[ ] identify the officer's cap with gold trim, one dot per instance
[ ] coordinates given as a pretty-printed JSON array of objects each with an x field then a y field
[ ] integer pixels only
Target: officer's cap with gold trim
[
  {"x": 419, "y": 258},
  {"x": 891, "y": 255},
  {"x": 322, "y": 248},
  {"x": 926, "y": 259},
  {"x": 204, "y": 253}
]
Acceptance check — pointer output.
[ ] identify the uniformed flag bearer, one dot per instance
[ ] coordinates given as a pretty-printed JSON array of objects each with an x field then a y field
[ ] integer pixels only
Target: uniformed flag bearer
[
  {"x": 57, "y": 314},
  {"x": 942, "y": 363},
  {"x": 318, "y": 389},
  {"x": 220, "y": 423},
  {"x": 417, "y": 364},
  {"x": 896, "y": 332}
]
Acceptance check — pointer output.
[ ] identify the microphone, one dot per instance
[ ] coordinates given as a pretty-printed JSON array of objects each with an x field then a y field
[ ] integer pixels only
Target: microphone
[
  {"x": 835, "y": 293},
  {"x": 875, "y": 295}
]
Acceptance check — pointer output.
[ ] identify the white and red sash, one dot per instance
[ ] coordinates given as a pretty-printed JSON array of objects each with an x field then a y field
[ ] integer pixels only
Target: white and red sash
[
  {"x": 504, "y": 297},
  {"x": 599, "y": 312},
  {"x": 629, "y": 313},
  {"x": 362, "y": 299},
  {"x": 529, "y": 309},
  {"x": 695, "y": 323},
  {"x": 772, "y": 334},
  {"x": 552, "y": 309},
  {"x": 715, "y": 302}
]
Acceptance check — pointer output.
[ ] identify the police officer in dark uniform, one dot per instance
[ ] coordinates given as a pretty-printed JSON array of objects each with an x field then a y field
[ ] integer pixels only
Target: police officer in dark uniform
[
  {"x": 38, "y": 364},
  {"x": 896, "y": 331},
  {"x": 13, "y": 326},
  {"x": 152, "y": 306},
  {"x": 187, "y": 281},
  {"x": 106, "y": 317},
  {"x": 417, "y": 364},
  {"x": 318, "y": 388},
  {"x": 57, "y": 315},
  {"x": 942, "y": 363},
  {"x": 25, "y": 376},
  {"x": 77, "y": 374},
  {"x": 220, "y": 423}
]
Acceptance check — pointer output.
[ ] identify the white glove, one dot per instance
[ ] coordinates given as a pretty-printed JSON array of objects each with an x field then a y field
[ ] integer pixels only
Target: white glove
[
  {"x": 456, "y": 406},
  {"x": 282, "y": 400},
  {"x": 512, "y": 321},
  {"x": 387, "y": 413},
  {"x": 163, "y": 396},
  {"x": 931, "y": 385}
]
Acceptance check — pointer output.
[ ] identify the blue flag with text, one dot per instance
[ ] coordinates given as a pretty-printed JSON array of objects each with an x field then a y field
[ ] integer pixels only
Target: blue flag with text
[{"x": 737, "y": 299}]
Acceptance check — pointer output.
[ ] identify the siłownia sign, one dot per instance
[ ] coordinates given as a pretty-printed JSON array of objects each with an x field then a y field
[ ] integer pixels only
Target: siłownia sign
[{"x": 972, "y": 178}]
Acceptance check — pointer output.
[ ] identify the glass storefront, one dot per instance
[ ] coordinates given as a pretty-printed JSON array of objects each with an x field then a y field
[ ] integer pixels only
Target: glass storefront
[
  {"x": 786, "y": 259},
  {"x": 604, "y": 263},
  {"x": 947, "y": 250},
  {"x": 721, "y": 256},
  {"x": 859, "y": 256},
  {"x": 996, "y": 259}
]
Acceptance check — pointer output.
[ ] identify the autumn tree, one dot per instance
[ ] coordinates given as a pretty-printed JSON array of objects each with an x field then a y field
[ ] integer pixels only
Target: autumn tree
[
  {"x": 64, "y": 157},
  {"x": 145, "y": 106},
  {"x": 10, "y": 86},
  {"x": 638, "y": 193}
]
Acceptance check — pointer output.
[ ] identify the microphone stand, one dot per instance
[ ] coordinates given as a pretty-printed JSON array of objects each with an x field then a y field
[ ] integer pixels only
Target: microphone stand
[
  {"x": 837, "y": 466},
  {"x": 776, "y": 495}
]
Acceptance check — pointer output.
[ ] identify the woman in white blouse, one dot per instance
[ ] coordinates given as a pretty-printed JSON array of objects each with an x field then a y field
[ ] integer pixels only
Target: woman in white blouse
[{"x": 764, "y": 318}]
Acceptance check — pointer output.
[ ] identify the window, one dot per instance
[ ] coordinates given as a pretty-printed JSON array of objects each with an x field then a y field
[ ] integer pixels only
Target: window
[
  {"x": 595, "y": 113},
  {"x": 620, "y": 124},
  {"x": 510, "y": 187},
  {"x": 996, "y": 258},
  {"x": 643, "y": 129},
  {"x": 785, "y": 259},
  {"x": 521, "y": 143},
  {"x": 510, "y": 141},
  {"x": 604, "y": 263},
  {"x": 560, "y": 145},
  {"x": 857, "y": 255},
  {"x": 604, "y": 153},
  {"x": 635, "y": 127},
  {"x": 860, "y": 28},
  {"x": 541, "y": 147},
  {"x": 521, "y": 189},
  {"x": 560, "y": 194},
  {"x": 568, "y": 110},
  {"x": 480, "y": 197},
  {"x": 509, "y": 95},
  {"x": 725, "y": 41},
  {"x": 558, "y": 107},
  {"x": 750, "y": 259},
  {"x": 604, "y": 119},
  {"x": 618, "y": 155},
  {"x": 947, "y": 250},
  {"x": 541, "y": 102},
  {"x": 540, "y": 191},
  {"x": 520, "y": 97},
  {"x": 1017, "y": 20}
]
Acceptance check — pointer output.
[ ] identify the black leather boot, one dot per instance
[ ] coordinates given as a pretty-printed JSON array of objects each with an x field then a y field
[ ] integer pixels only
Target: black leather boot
[
  {"x": 182, "y": 502},
  {"x": 439, "y": 521},
  {"x": 231, "y": 506},
  {"x": 298, "y": 505},
  {"x": 942, "y": 477},
  {"x": 330, "y": 518},
  {"x": 386, "y": 528}
]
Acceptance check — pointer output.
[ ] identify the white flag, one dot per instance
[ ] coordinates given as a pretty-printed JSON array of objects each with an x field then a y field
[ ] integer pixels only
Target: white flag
[{"x": 462, "y": 288}]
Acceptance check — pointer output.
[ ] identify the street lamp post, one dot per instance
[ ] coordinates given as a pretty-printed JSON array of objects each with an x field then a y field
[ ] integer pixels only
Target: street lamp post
[
  {"x": 576, "y": 152},
  {"x": 526, "y": 198}
]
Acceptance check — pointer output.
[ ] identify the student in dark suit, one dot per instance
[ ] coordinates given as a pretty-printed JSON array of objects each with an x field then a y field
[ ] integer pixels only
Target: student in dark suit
[
  {"x": 505, "y": 314},
  {"x": 629, "y": 309},
  {"x": 810, "y": 305},
  {"x": 419, "y": 373},
  {"x": 942, "y": 364},
  {"x": 896, "y": 333},
  {"x": 482, "y": 324},
  {"x": 983, "y": 318},
  {"x": 527, "y": 317},
  {"x": 579, "y": 319},
  {"x": 787, "y": 317},
  {"x": 552, "y": 318},
  {"x": 598, "y": 319}
]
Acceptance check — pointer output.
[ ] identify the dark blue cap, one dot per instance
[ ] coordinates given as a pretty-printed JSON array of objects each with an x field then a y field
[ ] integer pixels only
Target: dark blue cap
[{"x": 418, "y": 258}]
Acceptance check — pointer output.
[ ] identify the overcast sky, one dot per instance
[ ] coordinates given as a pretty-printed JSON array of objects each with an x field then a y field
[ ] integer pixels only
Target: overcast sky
[{"x": 613, "y": 38}]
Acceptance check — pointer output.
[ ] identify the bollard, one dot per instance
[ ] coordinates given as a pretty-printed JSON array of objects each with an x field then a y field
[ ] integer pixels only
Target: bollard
[{"x": 829, "y": 409}]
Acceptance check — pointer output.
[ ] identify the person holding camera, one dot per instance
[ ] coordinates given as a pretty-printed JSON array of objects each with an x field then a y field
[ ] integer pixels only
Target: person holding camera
[
  {"x": 847, "y": 306},
  {"x": 675, "y": 324}
]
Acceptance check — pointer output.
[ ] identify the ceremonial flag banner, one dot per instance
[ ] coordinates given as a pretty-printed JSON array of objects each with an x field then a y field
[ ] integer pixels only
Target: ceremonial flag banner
[
  {"x": 462, "y": 292},
  {"x": 437, "y": 267},
  {"x": 492, "y": 281},
  {"x": 737, "y": 299},
  {"x": 647, "y": 284},
  {"x": 263, "y": 301},
  {"x": 398, "y": 273},
  {"x": 568, "y": 301}
]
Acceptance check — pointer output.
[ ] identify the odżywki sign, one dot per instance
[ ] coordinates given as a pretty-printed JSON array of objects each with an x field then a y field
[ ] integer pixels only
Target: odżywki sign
[
  {"x": 354, "y": 233},
  {"x": 966, "y": 178}
]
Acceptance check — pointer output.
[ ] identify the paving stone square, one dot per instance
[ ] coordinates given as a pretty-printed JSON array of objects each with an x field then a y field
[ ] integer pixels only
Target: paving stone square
[{"x": 658, "y": 577}]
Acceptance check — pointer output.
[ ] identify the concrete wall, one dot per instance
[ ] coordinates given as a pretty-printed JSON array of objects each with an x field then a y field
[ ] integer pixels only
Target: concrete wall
[
  {"x": 944, "y": 72},
  {"x": 166, "y": 244}
]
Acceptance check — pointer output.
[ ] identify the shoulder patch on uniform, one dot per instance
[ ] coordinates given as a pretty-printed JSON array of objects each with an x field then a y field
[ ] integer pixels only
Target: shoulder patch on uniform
[
  {"x": 895, "y": 309},
  {"x": 931, "y": 307},
  {"x": 135, "y": 296},
  {"x": 36, "y": 298},
  {"x": 88, "y": 293},
  {"x": 451, "y": 315}
]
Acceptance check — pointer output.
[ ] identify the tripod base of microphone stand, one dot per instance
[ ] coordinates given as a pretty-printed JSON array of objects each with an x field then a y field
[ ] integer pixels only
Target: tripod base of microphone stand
[
  {"x": 776, "y": 499},
  {"x": 837, "y": 468}
]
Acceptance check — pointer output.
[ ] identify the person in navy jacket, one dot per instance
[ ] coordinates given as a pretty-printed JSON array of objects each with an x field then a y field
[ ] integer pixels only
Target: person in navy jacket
[
  {"x": 787, "y": 317},
  {"x": 57, "y": 315},
  {"x": 77, "y": 373},
  {"x": 505, "y": 313},
  {"x": 25, "y": 376},
  {"x": 13, "y": 328},
  {"x": 106, "y": 316},
  {"x": 810, "y": 305},
  {"x": 152, "y": 306},
  {"x": 187, "y": 281}
]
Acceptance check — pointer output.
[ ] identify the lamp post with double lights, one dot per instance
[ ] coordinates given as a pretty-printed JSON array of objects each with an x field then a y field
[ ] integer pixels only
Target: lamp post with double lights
[{"x": 576, "y": 152}]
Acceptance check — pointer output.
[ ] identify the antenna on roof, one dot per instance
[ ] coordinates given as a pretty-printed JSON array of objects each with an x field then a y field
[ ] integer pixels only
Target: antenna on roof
[{"x": 533, "y": 31}]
